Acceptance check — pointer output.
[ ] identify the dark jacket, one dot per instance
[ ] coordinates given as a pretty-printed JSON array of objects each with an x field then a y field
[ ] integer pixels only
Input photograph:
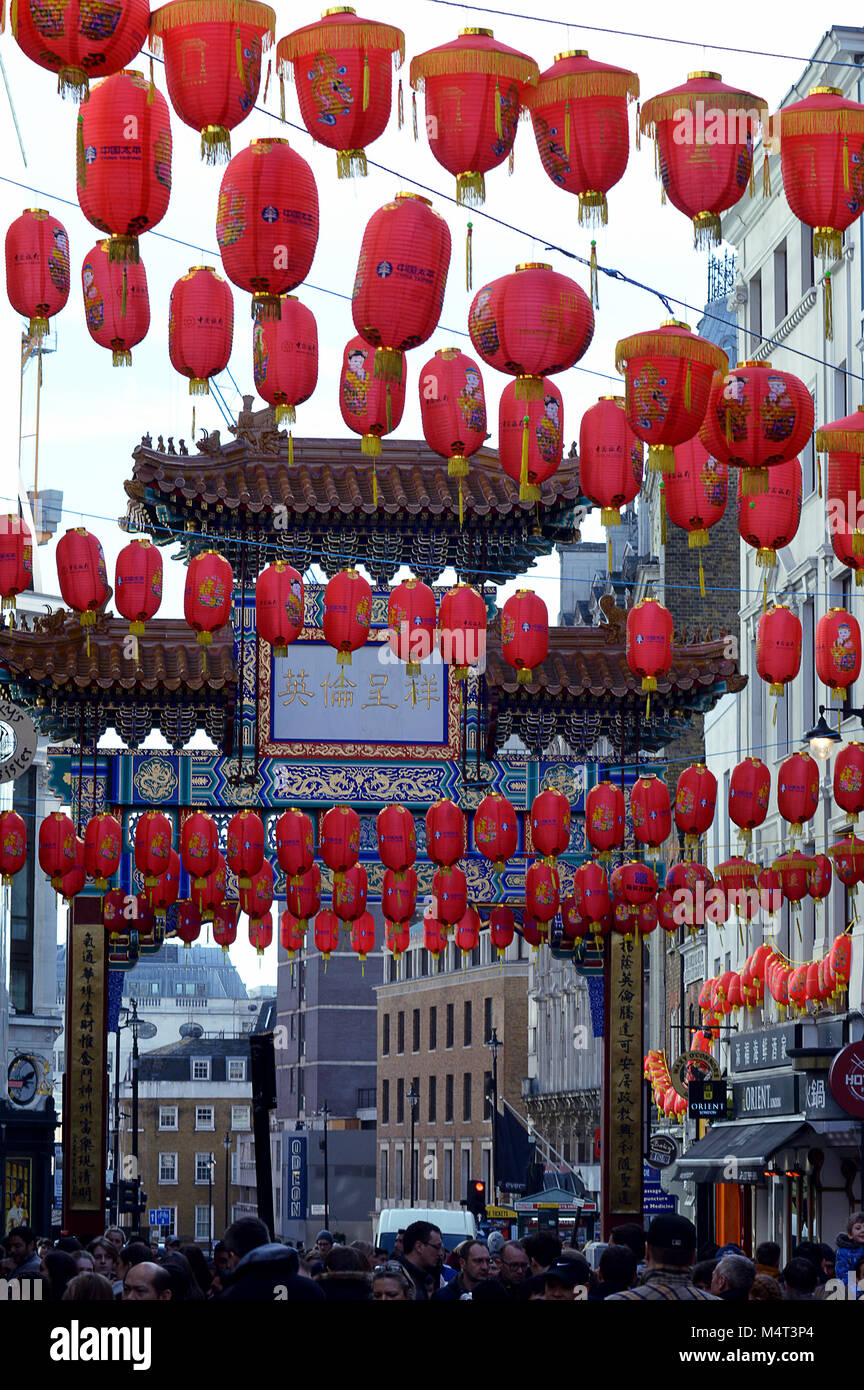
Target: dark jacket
[
  {"x": 345, "y": 1286},
  {"x": 423, "y": 1281},
  {"x": 263, "y": 1274},
  {"x": 849, "y": 1252},
  {"x": 451, "y": 1293}
]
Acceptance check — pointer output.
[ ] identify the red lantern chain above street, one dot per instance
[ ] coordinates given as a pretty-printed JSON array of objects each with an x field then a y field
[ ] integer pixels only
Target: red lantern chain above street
[
  {"x": 200, "y": 327},
  {"x": 531, "y": 324},
  {"x": 116, "y": 303},
  {"x": 524, "y": 633},
  {"x": 279, "y": 606},
  {"x": 37, "y": 268},
  {"x": 77, "y": 39},
  {"x": 531, "y": 437},
  {"x": 668, "y": 376}
]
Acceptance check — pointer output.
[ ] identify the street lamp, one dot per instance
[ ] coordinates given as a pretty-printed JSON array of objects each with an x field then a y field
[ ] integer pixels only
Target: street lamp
[
  {"x": 227, "y": 1146},
  {"x": 495, "y": 1044},
  {"x": 412, "y": 1098},
  {"x": 822, "y": 737},
  {"x": 211, "y": 1164},
  {"x": 325, "y": 1113}
]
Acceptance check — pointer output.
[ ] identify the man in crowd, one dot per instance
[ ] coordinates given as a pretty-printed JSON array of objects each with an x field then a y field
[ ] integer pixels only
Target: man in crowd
[
  {"x": 671, "y": 1246},
  {"x": 567, "y": 1280},
  {"x": 514, "y": 1268},
  {"x": 542, "y": 1249},
  {"x": 473, "y": 1270},
  {"x": 147, "y": 1283},
  {"x": 22, "y": 1253},
  {"x": 423, "y": 1247},
  {"x": 261, "y": 1270},
  {"x": 732, "y": 1278}
]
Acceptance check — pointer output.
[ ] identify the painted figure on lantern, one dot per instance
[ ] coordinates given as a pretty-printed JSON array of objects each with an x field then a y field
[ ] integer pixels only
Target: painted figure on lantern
[
  {"x": 260, "y": 355},
  {"x": 509, "y": 103},
  {"x": 778, "y": 410},
  {"x": 650, "y": 401},
  {"x": 356, "y": 385},
  {"x": 483, "y": 322},
  {"x": 251, "y": 77},
  {"x": 162, "y": 158},
  {"x": 58, "y": 261},
  {"x": 94, "y": 304},
  {"x": 471, "y": 401},
  {"x": 230, "y": 216},
  {"x": 331, "y": 94},
  {"x": 548, "y": 431}
]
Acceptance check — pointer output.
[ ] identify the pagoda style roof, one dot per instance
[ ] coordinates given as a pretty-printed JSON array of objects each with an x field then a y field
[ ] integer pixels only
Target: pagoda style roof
[
  {"x": 46, "y": 661},
  {"x": 244, "y": 496}
]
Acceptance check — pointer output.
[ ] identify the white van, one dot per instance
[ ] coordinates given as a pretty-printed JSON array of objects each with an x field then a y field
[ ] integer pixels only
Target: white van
[{"x": 455, "y": 1226}]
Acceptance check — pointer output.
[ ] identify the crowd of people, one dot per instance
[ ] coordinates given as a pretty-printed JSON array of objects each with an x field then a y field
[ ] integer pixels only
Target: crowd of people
[{"x": 247, "y": 1266}]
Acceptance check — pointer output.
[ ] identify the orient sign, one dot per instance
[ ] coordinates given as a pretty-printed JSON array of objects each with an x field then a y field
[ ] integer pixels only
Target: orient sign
[{"x": 846, "y": 1079}]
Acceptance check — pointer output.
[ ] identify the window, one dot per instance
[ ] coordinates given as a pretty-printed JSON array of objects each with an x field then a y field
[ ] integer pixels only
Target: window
[
  {"x": 415, "y": 1030},
  {"x": 399, "y": 1164},
  {"x": 204, "y": 1117},
  {"x": 385, "y": 1102},
  {"x": 384, "y": 1175},
  {"x": 293, "y": 1026},
  {"x": 466, "y": 1024},
  {"x": 400, "y": 1102},
  {"x": 167, "y": 1168},
  {"x": 466, "y": 1169},
  {"x": 240, "y": 1117},
  {"x": 408, "y": 958},
  {"x": 466, "y": 1096},
  {"x": 806, "y": 259},
  {"x": 433, "y": 1100},
  {"x": 486, "y": 1165},
  {"x": 781, "y": 297},
  {"x": 840, "y": 391},
  {"x": 755, "y": 311},
  {"x": 451, "y": 1028},
  {"x": 487, "y": 1020},
  {"x": 448, "y": 1098},
  {"x": 487, "y": 1095},
  {"x": 448, "y": 1175},
  {"x": 237, "y": 1068},
  {"x": 203, "y": 1168},
  {"x": 430, "y": 1170},
  {"x": 433, "y": 1028},
  {"x": 400, "y": 1032},
  {"x": 204, "y": 1224},
  {"x": 167, "y": 1116},
  {"x": 200, "y": 1068},
  {"x": 385, "y": 1036},
  {"x": 415, "y": 1087}
]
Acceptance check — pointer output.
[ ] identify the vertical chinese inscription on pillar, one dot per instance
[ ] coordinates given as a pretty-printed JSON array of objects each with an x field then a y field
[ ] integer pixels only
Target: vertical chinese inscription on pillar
[
  {"x": 625, "y": 1075},
  {"x": 84, "y": 1137}
]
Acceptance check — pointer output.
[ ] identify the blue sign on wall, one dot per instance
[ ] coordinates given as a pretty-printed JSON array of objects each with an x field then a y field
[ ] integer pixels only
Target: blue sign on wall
[
  {"x": 655, "y": 1202},
  {"x": 296, "y": 1198}
]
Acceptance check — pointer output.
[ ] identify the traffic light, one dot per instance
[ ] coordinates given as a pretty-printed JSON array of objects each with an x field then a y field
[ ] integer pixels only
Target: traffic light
[
  {"x": 128, "y": 1197},
  {"x": 476, "y": 1201}
]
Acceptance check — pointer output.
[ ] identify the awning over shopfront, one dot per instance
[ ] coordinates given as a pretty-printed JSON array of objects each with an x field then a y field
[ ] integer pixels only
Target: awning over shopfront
[{"x": 738, "y": 1153}]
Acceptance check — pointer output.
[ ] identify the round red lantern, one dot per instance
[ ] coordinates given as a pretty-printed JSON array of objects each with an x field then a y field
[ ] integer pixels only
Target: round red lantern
[
  {"x": 326, "y": 932},
  {"x": 13, "y": 845},
  {"x": 363, "y": 935},
  {"x": 666, "y": 911},
  {"x": 341, "y": 68},
  {"x": 757, "y": 417},
  {"x": 604, "y": 818},
  {"x": 769, "y": 520},
  {"x": 397, "y": 838},
  {"x": 573, "y": 924},
  {"x": 207, "y": 596},
  {"x": 82, "y": 576},
  {"x": 794, "y": 869},
  {"x": 114, "y": 918},
  {"x": 212, "y": 57},
  {"x": 542, "y": 891},
  {"x": 208, "y": 897},
  {"x": 840, "y": 962},
  {"x": 349, "y": 893},
  {"x": 411, "y": 619},
  {"x": 154, "y": 834},
  {"x": 200, "y": 327},
  {"x": 668, "y": 376},
  {"x": 838, "y": 650},
  {"x": 739, "y": 878},
  {"x": 450, "y": 891},
  {"x": 798, "y": 790},
  {"x": 550, "y": 823},
  {"x": 37, "y": 268},
  {"x": 188, "y": 925},
  {"x": 466, "y": 937},
  {"x": 703, "y": 175},
  {"x": 261, "y": 932},
  {"x": 579, "y": 114},
  {"x": 279, "y": 606},
  {"x": 848, "y": 547},
  {"x": 397, "y": 938},
  {"x": 267, "y": 223},
  {"x": 244, "y": 846},
  {"x": 695, "y": 495},
  {"x": 625, "y": 918},
  {"x": 770, "y": 886},
  {"x": 339, "y": 839},
  {"x": 370, "y": 406},
  {"x": 819, "y": 877},
  {"x": 648, "y": 648},
  {"x": 749, "y": 794},
  {"x": 445, "y": 833},
  {"x": 847, "y": 856},
  {"x": 123, "y": 185},
  {"x": 166, "y": 890},
  {"x": 116, "y": 303},
  {"x": 103, "y": 844},
  {"x": 531, "y": 324},
  {"x": 849, "y": 780},
  {"x": 462, "y": 629},
  {"x": 16, "y": 559},
  {"x": 610, "y": 459},
  {"x": 453, "y": 408},
  {"x": 475, "y": 89},
  {"x": 820, "y": 153},
  {"x": 292, "y": 933},
  {"x": 524, "y": 633},
  {"x": 695, "y": 800},
  {"x": 347, "y": 614},
  {"x": 399, "y": 895},
  {"x": 57, "y": 840},
  {"x": 633, "y": 882},
  {"x": 294, "y": 842},
  {"x": 433, "y": 936},
  {"x": 285, "y": 360},
  {"x": 138, "y": 584},
  {"x": 502, "y": 928},
  {"x": 496, "y": 831},
  {"x": 531, "y": 437},
  {"x": 257, "y": 899},
  {"x": 77, "y": 39},
  {"x": 778, "y": 647},
  {"x": 651, "y": 811},
  {"x": 400, "y": 280},
  {"x": 592, "y": 886}
]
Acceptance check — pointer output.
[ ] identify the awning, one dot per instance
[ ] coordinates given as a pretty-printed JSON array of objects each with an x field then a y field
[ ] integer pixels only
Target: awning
[{"x": 738, "y": 1152}]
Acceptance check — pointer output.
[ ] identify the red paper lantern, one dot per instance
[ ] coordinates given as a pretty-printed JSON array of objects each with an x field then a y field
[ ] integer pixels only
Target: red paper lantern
[
  {"x": 200, "y": 327},
  {"x": 261, "y": 932},
  {"x": 651, "y": 811},
  {"x": 294, "y": 842},
  {"x": 666, "y": 911},
  {"x": 77, "y": 39},
  {"x": 496, "y": 830},
  {"x": 550, "y": 823},
  {"x": 738, "y": 878},
  {"x": 165, "y": 891},
  {"x": 462, "y": 629},
  {"x": 114, "y": 909},
  {"x": 778, "y": 647},
  {"x": 279, "y": 606},
  {"x": 341, "y": 67},
  {"x": 795, "y": 869},
  {"x": 445, "y": 833},
  {"x": 37, "y": 268},
  {"x": 592, "y": 886},
  {"x": 625, "y": 918},
  {"x": 304, "y": 897},
  {"x": 849, "y": 780},
  {"x": 531, "y": 324},
  {"x": 633, "y": 882},
  {"x": 650, "y": 630},
  {"x": 103, "y": 845},
  {"x": 13, "y": 845},
  {"x": 154, "y": 834},
  {"x": 400, "y": 280},
  {"x": 838, "y": 650},
  {"x": 466, "y": 937},
  {"x": 257, "y": 899},
  {"x": 347, "y": 614},
  {"x": 138, "y": 584},
  {"x": 123, "y": 185},
  {"x": 668, "y": 376},
  {"x": 524, "y": 633},
  {"x": 397, "y": 838},
  {"x": 212, "y": 54},
  {"x": 604, "y": 818},
  {"x": 434, "y": 939},
  {"x": 573, "y": 924},
  {"x": 370, "y": 406},
  {"x": 363, "y": 935},
  {"x": 267, "y": 223},
  {"x": 244, "y": 847},
  {"x": 207, "y": 596},
  {"x": 339, "y": 839},
  {"x": 326, "y": 932},
  {"x": 411, "y": 619},
  {"x": 292, "y": 933},
  {"x": 82, "y": 575},
  {"x": 502, "y": 928},
  {"x": 695, "y": 800},
  {"x": 840, "y": 961},
  {"x": 453, "y": 408},
  {"x": 399, "y": 895},
  {"x": 116, "y": 303},
  {"x": 285, "y": 360},
  {"x": 16, "y": 559},
  {"x": 188, "y": 925},
  {"x": 695, "y": 494},
  {"x": 212, "y": 893},
  {"x": 531, "y": 437},
  {"x": 610, "y": 459},
  {"x": 798, "y": 790},
  {"x": 820, "y": 143},
  {"x": 769, "y": 520},
  {"x": 819, "y": 877},
  {"x": 579, "y": 114},
  {"x": 757, "y": 417},
  {"x": 848, "y": 547},
  {"x": 749, "y": 794},
  {"x": 73, "y": 880},
  {"x": 450, "y": 891},
  {"x": 475, "y": 89},
  {"x": 542, "y": 891},
  {"x": 847, "y": 856},
  {"x": 349, "y": 893},
  {"x": 702, "y": 173}
]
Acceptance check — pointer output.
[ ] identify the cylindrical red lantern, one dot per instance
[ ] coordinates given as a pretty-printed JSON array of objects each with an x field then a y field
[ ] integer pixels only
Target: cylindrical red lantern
[
  {"x": 819, "y": 877},
  {"x": 292, "y": 933},
  {"x": 37, "y": 268},
  {"x": 279, "y": 606},
  {"x": 244, "y": 846},
  {"x": 794, "y": 869},
  {"x": 16, "y": 559},
  {"x": 166, "y": 890},
  {"x": 749, "y": 794},
  {"x": 261, "y": 932},
  {"x": 363, "y": 935},
  {"x": 13, "y": 845},
  {"x": 466, "y": 937},
  {"x": 496, "y": 831},
  {"x": 208, "y": 897},
  {"x": 651, "y": 811},
  {"x": 445, "y": 833},
  {"x": 304, "y": 898},
  {"x": 591, "y": 883},
  {"x": 200, "y": 327},
  {"x": 610, "y": 459},
  {"x": 798, "y": 790},
  {"x": 633, "y": 882},
  {"x": 82, "y": 575},
  {"x": 768, "y": 520},
  {"x": 397, "y": 838},
  {"x": 370, "y": 406},
  {"x": 450, "y": 891},
  {"x": 550, "y": 823},
  {"x": 695, "y": 494},
  {"x": 399, "y": 895},
  {"x": 847, "y": 856},
  {"x": 138, "y": 584},
  {"x": 116, "y": 303},
  {"x": 462, "y": 629},
  {"x": 531, "y": 437},
  {"x": 838, "y": 650},
  {"x": 347, "y": 614},
  {"x": 188, "y": 926},
  {"x": 542, "y": 891},
  {"x": 849, "y": 780},
  {"x": 349, "y": 893},
  {"x": 411, "y": 619},
  {"x": 453, "y": 408},
  {"x": 604, "y": 818},
  {"x": 285, "y": 360},
  {"x": 77, "y": 39},
  {"x": 668, "y": 376},
  {"x": 502, "y": 928},
  {"x": 531, "y": 324},
  {"x": 154, "y": 835},
  {"x": 757, "y": 417},
  {"x": 650, "y": 631},
  {"x": 778, "y": 647},
  {"x": 257, "y": 899},
  {"x": 326, "y": 932},
  {"x": 400, "y": 280},
  {"x": 73, "y": 880},
  {"x": 123, "y": 185},
  {"x": 339, "y": 839},
  {"x": 475, "y": 89},
  {"x": 207, "y": 596},
  {"x": 114, "y": 908},
  {"x": 212, "y": 57},
  {"x": 819, "y": 139},
  {"x": 524, "y": 633},
  {"x": 294, "y": 843},
  {"x": 695, "y": 800},
  {"x": 103, "y": 844}
]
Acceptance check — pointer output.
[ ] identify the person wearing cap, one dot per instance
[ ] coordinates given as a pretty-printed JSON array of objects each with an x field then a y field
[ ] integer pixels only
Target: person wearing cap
[
  {"x": 567, "y": 1280},
  {"x": 671, "y": 1248},
  {"x": 323, "y": 1244}
]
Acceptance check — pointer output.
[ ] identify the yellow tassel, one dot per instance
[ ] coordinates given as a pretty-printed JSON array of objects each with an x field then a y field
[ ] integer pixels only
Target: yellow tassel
[
  {"x": 765, "y": 594},
  {"x": 648, "y": 706},
  {"x": 523, "y": 475},
  {"x": 281, "y": 97},
  {"x": 400, "y": 107},
  {"x": 662, "y": 513},
  {"x": 461, "y": 506},
  {"x": 374, "y": 486},
  {"x": 290, "y": 450},
  {"x": 152, "y": 88},
  {"x": 414, "y": 113},
  {"x": 193, "y": 424},
  {"x": 469, "y": 263},
  {"x": 365, "y": 82},
  {"x": 267, "y": 81},
  {"x": 80, "y": 161},
  {"x": 238, "y": 53},
  {"x": 638, "y": 123},
  {"x": 687, "y": 391},
  {"x": 819, "y": 472},
  {"x": 766, "y": 176},
  {"x": 499, "y": 129},
  {"x": 861, "y": 473},
  {"x": 389, "y": 409},
  {"x": 609, "y": 553},
  {"x": 701, "y": 579},
  {"x": 846, "y": 162},
  {"x": 511, "y": 162},
  {"x": 595, "y": 296},
  {"x": 774, "y": 716},
  {"x": 567, "y": 129},
  {"x": 828, "y": 308},
  {"x": 751, "y": 183},
  {"x": 123, "y": 295}
]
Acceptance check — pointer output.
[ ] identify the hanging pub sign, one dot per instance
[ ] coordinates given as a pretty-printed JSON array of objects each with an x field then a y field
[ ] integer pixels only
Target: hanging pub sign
[
  {"x": 662, "y": 1151},
  {"x": 690, "y": 1066},
  {"x": 706, "y": 1099},
  {"x": 846, "y": 1079},
  {"x": 84, "y": 1131}
]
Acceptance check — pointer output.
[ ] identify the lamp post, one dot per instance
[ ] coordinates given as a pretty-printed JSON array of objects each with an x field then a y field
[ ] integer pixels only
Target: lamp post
[
  {"x": 495, "y": 1044},
  {"x": 227, "y": 1146},
  {"x": 325, "y": 1113},
  {"x": 210, "y": 1167},
  {"x": 412, "y": 1098},
  {"x": 133, "y": 1023},
  {"x": 822, "y": 738}
]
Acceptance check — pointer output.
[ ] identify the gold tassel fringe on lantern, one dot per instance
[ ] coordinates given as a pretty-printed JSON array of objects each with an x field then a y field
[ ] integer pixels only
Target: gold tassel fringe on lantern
[
  {"x": 753, "y": 481},
  {"x": 314, "y": 39},
  {"x": 284, "y": 410},
  {"x": 457, "y": 466},
  {"x": 199, "y": 386},
  {"x": 122, "y": 248},
  {"x": 120, "y": 356},
  {"x": 827, "y": 243},
  {"x": 192, "y": 12},
  {"x": 766, "y": 557},
  {"x": 266, "y": 307},
  {"x": 593, "y": 209},
  {"x": 706, "y": 230},
  {"x": 524, "y": 676},
  {"x": 661, "y": 458},
  {"x": 351, "y": 164},
  {"x": 215, "y": 144},
  {"x": 529, "y": 388},
  {"x": 388, "y": 364},
  {"x": 610, "y": 516},
  {"x": 370, "y": 445},
  {"x": 697, "y": 540},
  {"x": 73, "y": 82},
  {"x": 343, "y": 658},
  {"x": 470, "y": 189}
]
